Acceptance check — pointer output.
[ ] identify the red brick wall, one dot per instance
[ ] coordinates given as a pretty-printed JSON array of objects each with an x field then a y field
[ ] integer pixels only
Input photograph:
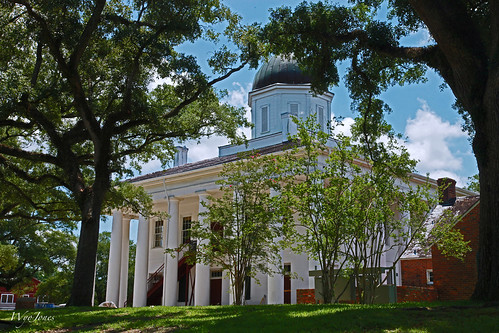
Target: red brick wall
[
  {"x": 414, "y": 271},
  {"x": 455, "y": 279},
  {"x": 305, "y": 296},
  {"x": 416, "y": 294}
]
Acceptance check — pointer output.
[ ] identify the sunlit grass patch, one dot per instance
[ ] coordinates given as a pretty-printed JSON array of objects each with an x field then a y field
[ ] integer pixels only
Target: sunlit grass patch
[{"x": 410, "y": 317}]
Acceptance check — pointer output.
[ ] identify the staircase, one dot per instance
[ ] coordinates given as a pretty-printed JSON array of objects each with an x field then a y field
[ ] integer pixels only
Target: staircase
[{"x": 155, "y": 287}]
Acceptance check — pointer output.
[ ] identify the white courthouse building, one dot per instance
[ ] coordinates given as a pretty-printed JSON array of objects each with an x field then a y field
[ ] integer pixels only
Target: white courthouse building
[{"x": 280, "y": 90}]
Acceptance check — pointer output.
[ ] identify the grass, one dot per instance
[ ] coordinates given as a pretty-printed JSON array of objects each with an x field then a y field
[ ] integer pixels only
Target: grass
[{"x": 408, "y": 317}]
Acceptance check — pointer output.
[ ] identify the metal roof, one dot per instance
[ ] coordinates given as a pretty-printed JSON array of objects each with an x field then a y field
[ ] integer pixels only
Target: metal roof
[{"x": 280, "y": 70}]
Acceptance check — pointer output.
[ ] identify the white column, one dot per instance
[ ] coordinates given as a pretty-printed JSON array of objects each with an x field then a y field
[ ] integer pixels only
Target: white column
[
  {"x": 225, "y": 288},
  {"x": 275, "y": 283},
  {"x": 141, "y": 263},
  {"x": 231, "y": 295},
  {"x": 275, "y": 289},
  {"x": 202, "y": 286},
  {"x": 171, "y": 266},
  {"x": 125, "y": 249},
  {"x": 114, "y": 265}
]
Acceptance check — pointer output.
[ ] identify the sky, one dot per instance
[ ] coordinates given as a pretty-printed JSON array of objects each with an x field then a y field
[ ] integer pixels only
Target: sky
[{"x": 422, "y": 113}]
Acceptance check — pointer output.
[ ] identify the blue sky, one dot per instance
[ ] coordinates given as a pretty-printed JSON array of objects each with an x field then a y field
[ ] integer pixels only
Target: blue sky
[{"x": 422, "y": 113}]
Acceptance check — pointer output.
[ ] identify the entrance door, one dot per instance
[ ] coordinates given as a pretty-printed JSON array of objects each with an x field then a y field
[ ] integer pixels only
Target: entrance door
[
  {"x": 287, "y": 284},
  {"x": 216, "y": 292}
]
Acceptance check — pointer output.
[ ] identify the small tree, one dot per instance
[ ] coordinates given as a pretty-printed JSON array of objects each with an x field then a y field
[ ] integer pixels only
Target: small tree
[
  {"x": 463, "y": 50},
  {"x": 242, "y": 225},
  {"x": 318, "y": 189},
  {"x": 345, "y": 199}
]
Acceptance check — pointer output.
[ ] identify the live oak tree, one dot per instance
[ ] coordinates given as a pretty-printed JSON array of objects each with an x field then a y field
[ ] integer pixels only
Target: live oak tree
[
  {"x": 244, "y": 229},
  {"x": 464, "y": 51},
  {"x": 90, "y": 90}
]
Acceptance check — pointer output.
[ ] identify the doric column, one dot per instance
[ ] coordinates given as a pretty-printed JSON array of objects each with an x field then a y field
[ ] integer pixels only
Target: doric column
[
  {"x": 171, "y": 265},
  {"x": 114, "y": 265},
  {"x": 275, "y": 282},
  {"x": 225, "y": 288},
  {"x": 125, "y": 249},
  {"x": 141, "y": 263},
  {"x": 202, "y": 286},
  {"x": 275, "y": 286}
]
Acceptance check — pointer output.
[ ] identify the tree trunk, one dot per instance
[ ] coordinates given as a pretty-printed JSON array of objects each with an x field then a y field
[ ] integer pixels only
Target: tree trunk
[
  {"x": 327, "y": 288},
  {"x": 486, "y": 149},
  {"x": 86, "y": 258}
]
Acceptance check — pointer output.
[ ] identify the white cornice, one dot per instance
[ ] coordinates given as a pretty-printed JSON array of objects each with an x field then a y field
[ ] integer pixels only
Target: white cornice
[{"x": 285, "y": 86}]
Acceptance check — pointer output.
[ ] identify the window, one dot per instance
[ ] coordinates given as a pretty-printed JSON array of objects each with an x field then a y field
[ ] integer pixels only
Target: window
[
  {"x": 186, "y": 230},
  {"x": 293, "y": 109},
  {"x": 265, "y": 119},
  {"x": 7, "y": 298},
  {"x": 429, "y": 276},
  {"x": 158, "y": 234},
  {"x": 216, "y": 274},
  {"x": 320, "y": 116},
  {"x": 247, "y": 285},
  {"x": 217, "y": 231}
]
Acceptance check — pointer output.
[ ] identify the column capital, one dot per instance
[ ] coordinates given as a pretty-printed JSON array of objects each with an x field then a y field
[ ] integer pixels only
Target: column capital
[
  {"x": 203, "y": 195},
  {"x": 173, "y": 198}
]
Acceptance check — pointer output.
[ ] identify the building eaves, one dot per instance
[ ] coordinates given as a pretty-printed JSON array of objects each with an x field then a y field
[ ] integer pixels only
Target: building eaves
[{"x": 210, "y": 162}]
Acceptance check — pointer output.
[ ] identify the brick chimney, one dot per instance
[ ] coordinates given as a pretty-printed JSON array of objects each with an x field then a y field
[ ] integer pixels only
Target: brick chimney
[
  {"x": 180, "y": 156},
  {"x": 447, "y": 191}
]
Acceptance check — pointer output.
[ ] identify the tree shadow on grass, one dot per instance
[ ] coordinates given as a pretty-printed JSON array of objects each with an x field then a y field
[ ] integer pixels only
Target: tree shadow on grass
[{"x": 274, "y": 318}]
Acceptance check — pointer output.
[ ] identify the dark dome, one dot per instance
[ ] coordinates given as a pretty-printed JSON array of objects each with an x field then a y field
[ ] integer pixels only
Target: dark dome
[{"x": 279, "y": 70}]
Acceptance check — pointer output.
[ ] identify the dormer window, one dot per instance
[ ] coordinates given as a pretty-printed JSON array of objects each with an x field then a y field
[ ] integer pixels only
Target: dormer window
[{"x": 265, "y": 119}]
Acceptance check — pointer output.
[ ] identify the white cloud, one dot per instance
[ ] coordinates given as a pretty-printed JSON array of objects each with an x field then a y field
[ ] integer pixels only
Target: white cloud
[
  {"x": 208, "y": 147},
  {"x": 151, "y": 166},
  {"x": 430, "y": 139},
  {"x": 239, "y": 98},
  {"x": 159, "y": 81},
  {"x": 345, "y": 127}
]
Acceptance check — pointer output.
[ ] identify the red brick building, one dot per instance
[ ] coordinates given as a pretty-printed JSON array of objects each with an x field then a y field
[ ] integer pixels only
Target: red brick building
[
  {"x": 455, "y": 279},
  {"x": 445, "y": 278},
  {"x": 8, "y": 298}
]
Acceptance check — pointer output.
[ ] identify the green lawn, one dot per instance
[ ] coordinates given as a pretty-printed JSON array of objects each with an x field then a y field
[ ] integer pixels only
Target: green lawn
[{"x": 415, "y": 317}]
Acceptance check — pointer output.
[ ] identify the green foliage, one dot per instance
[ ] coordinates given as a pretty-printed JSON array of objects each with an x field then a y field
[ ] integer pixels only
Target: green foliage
[
  {"x": 449, "y": 240},
  {"x": 244, "y": 229},
  {"x": 56, "y": 288},
  {"x": 347, "y": 200},
  {"x": 92, "y": 90},
  {"x": 8, "y": 257},
  {"x": 452, "y": 244},
  {"x": 42, "y": 251},
  {"x": 474, "y": 183}
]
